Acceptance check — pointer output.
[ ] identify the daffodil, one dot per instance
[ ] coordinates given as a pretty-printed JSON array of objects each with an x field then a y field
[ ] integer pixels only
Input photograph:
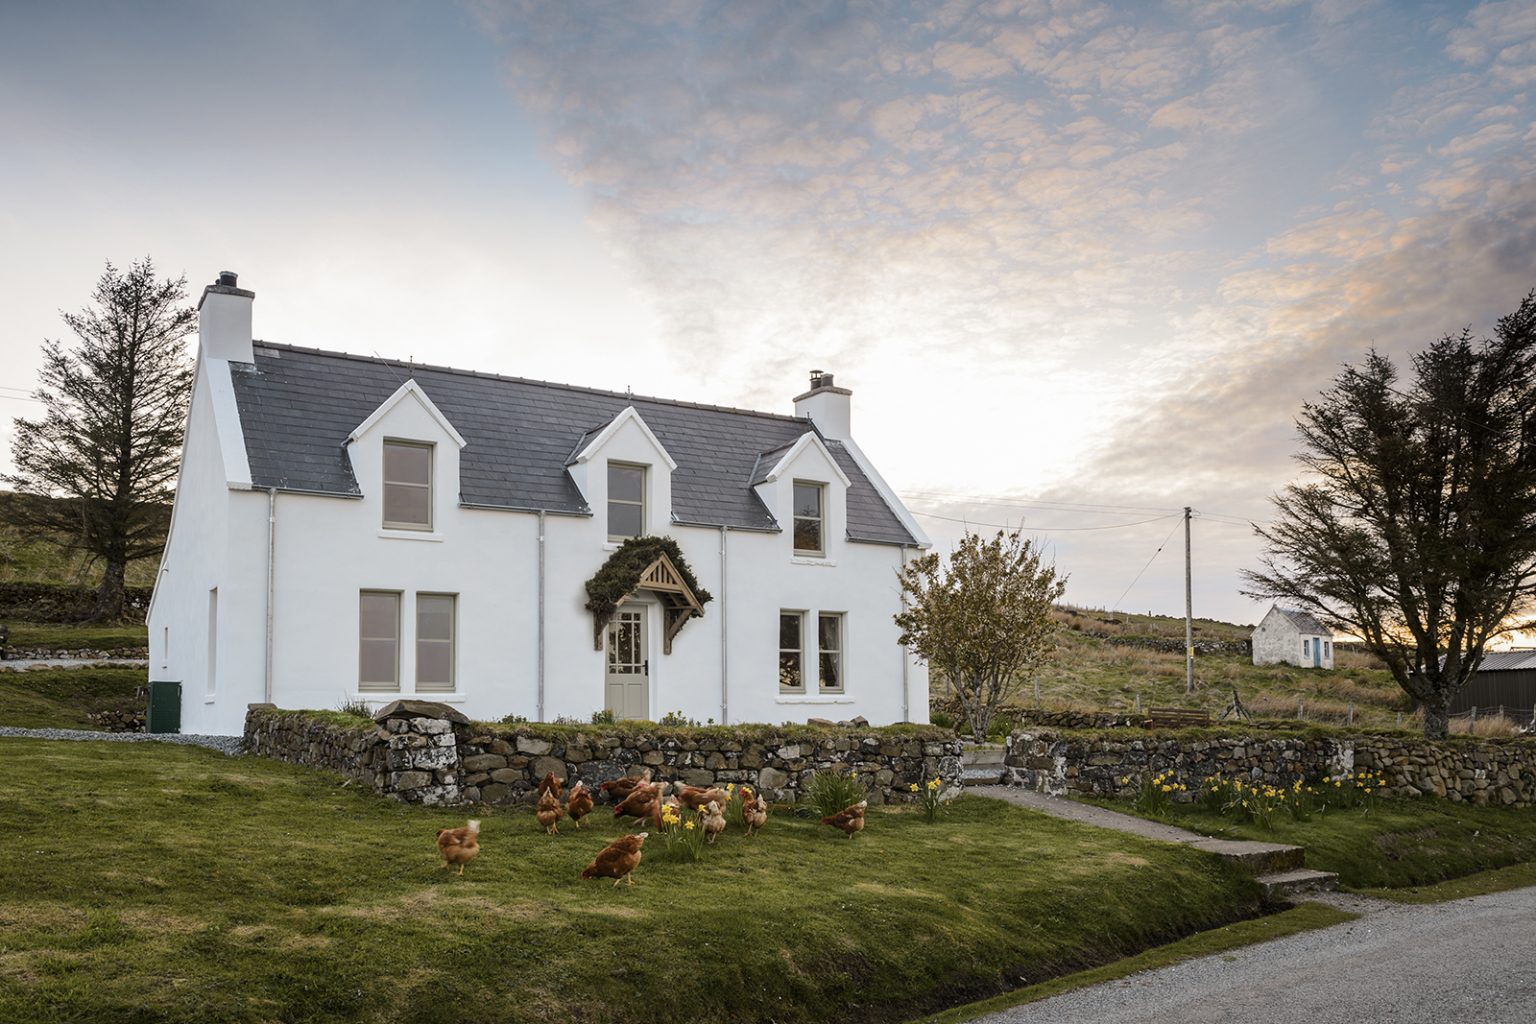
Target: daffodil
[
  {"x": 914, "y": 787},
  {"x": 688, "y": 825}
]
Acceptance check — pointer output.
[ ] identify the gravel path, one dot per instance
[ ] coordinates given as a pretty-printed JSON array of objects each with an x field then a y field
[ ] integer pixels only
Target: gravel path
[
  {"x": 223, "y": 744},
  {"x": 28, "y": 664},
  {"x": 1466, "y": 962}
]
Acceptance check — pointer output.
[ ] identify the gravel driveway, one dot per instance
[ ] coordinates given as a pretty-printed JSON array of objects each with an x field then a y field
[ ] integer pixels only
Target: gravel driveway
[
  {"x": 1468, "y": 962},
  {"x": 223, "y": 744}
]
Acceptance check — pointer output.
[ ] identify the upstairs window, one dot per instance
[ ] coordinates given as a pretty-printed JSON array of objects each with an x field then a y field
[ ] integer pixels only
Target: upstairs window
[
  {"x": 407, "y": 485},
  {"x": 626, "y": 500},
  {"x": 791, "y": 652},
  {"x": 810, "y": 516}
]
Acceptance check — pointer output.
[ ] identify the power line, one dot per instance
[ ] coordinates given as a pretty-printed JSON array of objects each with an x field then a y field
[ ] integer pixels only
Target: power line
[
  {"x": 1005, "y": 501},
  {"x": 1144, "y": 568},
  {"x": 1043, "y": 529}
]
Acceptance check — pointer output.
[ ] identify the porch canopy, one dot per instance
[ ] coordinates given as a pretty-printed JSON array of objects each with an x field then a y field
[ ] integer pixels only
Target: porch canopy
[{"x": 678, "y": 602}]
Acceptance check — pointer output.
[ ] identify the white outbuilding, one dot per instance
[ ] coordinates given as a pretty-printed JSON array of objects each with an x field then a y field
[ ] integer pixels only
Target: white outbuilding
[
  {"x": 349, "y": 528},
  {"x": 1289, "y": 637}
]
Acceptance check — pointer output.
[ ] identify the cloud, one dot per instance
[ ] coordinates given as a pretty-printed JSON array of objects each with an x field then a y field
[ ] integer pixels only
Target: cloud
[{"x": 1062, "y": 248}]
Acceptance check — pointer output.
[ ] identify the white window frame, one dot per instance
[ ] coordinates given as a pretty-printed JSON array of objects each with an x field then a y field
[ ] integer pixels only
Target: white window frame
[
  {"x": 798, "y": 650},
  {"x": 452, "y": 642},
  {"x": 821, "y": 519},
  {"x": 645, "y": 486},
  {"x": 388, "y": 483},
  {"x": 840, "y": 651},
  {"x": 213, "y": 642},
  {"x": 372, "y": 686}
]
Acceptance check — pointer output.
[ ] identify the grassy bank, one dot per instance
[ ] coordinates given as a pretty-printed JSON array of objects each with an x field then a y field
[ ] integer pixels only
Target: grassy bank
[
  {"x": 62, "y": 698},
  {"x": 172, "y": 884},
  {"x": 67, "y": 637},
  {"x": 1394, "y": 845}
]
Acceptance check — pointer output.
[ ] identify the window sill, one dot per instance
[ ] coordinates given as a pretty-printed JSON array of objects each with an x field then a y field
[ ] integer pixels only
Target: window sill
[
  {"x": 411, "y": 535},
  {"x": 210, "y": 700},
  {"x": 813, "y": 560},
  {"x": 831, "y": 698},
  {"x": 385, "y": 697}
]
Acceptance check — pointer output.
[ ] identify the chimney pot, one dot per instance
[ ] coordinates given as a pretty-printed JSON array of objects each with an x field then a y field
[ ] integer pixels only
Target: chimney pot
[{"x": 227, "y": 278}]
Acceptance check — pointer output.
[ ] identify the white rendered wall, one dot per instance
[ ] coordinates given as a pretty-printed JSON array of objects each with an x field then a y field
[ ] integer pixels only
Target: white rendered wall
[
  {"x": 328, "y": 549},
  {"x": 1276, "y": 641}
]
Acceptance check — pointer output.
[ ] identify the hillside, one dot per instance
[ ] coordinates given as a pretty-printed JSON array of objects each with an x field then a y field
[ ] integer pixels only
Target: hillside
[
  {"x": 25, "y": 559},
  {"x": 1091, "y": 672}
]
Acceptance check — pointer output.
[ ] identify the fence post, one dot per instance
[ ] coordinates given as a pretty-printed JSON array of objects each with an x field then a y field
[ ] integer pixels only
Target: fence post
[
  {"x": 1037, "y": 690},
  {"x": 1299, "y": 706},
  {"x": 1350, "y": 720},
  {"x": 1138, "y": 702},
  {"x": 1399, "y": 719},
  {"x": 1474, "y": 714}
]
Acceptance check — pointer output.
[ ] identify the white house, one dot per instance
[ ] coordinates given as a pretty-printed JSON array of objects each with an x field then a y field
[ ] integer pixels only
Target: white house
[
  {"x": 353, "y": 528},
  {"x": 1287, "y": 637}
]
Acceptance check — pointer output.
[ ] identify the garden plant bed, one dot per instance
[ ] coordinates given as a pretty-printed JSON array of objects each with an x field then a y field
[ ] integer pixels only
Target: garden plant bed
[{"x": 191, "y": 887}]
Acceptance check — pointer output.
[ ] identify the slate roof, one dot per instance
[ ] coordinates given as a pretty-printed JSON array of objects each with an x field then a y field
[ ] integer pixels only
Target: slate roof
[
  {"x": 1305, "y": 622},
  {"x": 298, "y": 405}
]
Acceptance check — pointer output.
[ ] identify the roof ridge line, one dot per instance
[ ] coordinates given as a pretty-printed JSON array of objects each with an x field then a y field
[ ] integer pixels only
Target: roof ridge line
[{"x": 397, "y": 364}]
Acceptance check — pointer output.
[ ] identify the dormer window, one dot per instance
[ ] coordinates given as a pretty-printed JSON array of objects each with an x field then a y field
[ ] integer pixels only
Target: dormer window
[
  {"x": 810, "y": 515},
  {"x": 626, "y": 500},
  {"x": 407, "y": 485}
]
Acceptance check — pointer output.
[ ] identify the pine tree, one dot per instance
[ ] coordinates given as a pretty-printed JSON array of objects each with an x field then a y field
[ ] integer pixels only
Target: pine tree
[
  {"x": 1415, "y": 529},
  {"x": 108, "y": 447}
]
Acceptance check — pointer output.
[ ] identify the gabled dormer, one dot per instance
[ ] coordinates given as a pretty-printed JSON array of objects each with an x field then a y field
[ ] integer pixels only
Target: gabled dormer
[
  {"x": 807, "y": 492},
  {"x": 625, "y": 474},
  {"x": 405, "y": 458}
]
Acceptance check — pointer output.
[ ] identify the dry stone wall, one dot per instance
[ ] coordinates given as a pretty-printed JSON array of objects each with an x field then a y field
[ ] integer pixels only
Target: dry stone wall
[
  {"x": 426, "y": 753},
  {"x": 1501, "y": 772}
]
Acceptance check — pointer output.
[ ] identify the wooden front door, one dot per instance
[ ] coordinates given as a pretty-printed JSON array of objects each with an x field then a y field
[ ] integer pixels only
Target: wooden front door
[{"x": 628, "y": 690}]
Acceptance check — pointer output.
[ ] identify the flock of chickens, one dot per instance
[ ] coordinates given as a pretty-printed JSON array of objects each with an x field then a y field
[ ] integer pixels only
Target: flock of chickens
[{"x": 643, "y": 800}]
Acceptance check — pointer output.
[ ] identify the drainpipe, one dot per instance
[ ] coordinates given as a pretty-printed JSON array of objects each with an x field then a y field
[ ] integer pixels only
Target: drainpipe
[
  {"x": 271, "y": 579},
  {"x": 541, "y": 615},
  {"x": 725, "y": 691},
  {"x": 906, "y": 692}
]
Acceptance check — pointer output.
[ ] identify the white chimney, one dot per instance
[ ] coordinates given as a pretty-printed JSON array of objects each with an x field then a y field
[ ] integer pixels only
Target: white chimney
[
  {"x": 829, "y": 407},
  {"x": 224, "y": 320}
]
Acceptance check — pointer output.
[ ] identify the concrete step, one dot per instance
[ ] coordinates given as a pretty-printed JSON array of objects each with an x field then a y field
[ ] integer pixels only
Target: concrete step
[
  {"x": 983, "y": 753},
  {"x": 982, "y": 775},
  {"x": 1284, "y": 885},
  {"x": 1256, "y": 858}
]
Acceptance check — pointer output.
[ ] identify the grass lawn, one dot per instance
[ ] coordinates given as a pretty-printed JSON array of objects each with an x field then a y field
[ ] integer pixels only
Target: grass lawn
[
  {"x": 60, "y": 698},
  {"x": 154, "y": 882},
  {"x": 64, "y": 637},
  {"x": 1394, "y": 845}
]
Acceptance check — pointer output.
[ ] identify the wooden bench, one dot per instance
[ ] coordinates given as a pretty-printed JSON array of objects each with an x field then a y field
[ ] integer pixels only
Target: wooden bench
[{"x": 1176, "y": 718}]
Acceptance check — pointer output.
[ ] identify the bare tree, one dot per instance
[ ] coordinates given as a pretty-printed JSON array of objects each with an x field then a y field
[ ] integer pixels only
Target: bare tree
[
  {"x": 108, "y": 446},
  {"x": 983, "y": 620},
  {"x": 1416, "y": 529}
]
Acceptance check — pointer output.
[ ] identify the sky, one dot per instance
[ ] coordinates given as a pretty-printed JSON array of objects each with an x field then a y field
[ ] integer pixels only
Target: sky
[{"x": 1080, "y": 263}]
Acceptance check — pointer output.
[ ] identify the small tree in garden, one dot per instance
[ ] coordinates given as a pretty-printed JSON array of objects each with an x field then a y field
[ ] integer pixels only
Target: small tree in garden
[{"x": 983, "y": 620}]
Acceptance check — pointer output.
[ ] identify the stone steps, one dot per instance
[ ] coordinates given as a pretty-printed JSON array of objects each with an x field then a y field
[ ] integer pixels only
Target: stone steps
[
  {"x": 982, "y": 764},
  {"x": 1254, "y": 857},
  {"x": 1286, "y": 885}
]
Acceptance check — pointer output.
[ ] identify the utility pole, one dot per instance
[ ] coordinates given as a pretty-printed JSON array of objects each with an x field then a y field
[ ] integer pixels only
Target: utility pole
[{"x": 1189, "y": 614}]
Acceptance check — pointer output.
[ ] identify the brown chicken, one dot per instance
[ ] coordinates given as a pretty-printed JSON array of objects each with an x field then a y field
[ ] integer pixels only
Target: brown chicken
[
  {"x": 579, "y": 804},
  {"x": 459, "y": 845},
  {"x": 619, "y": 788},
  {"x": 713, "y": 820},
  {"x": 617, "y": 860},
  {"x": 549, "y": 813},
  {"x": 754, "y": 811},
  {"x": 644, "y": 802},
  {"x": 849, "y": 819},
  {"x": 695, "y": 797},
  {"x": 550, "y": 784}
]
